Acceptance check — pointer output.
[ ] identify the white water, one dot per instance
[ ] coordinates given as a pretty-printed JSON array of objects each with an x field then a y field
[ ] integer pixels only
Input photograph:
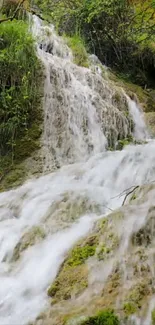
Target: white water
[
  {"x": 48, "y": 202},
  {"x": 84, "y": 113},
  {"x": 140, "y": 132}
]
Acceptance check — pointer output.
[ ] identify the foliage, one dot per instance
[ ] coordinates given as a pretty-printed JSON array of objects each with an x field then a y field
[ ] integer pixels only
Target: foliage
[
  {"x": 79, "y": 51},
  {"x": 120, "y": 32},
  {"x": 19, "y": 85},
  {"x": 105, "y": 317},
  {"x": 124, "y": 142},
  {"x": 14, "y": 8}
]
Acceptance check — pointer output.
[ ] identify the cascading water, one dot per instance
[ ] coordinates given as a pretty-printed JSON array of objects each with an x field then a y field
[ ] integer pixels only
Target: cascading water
[
  {"x": 44, "y": 218},
  {"x": 84, "y": 113}
]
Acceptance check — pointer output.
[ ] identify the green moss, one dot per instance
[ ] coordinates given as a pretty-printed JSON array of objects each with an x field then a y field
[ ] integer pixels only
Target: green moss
[
  {"x": 80, "y": 254},
  {"x": 79, "y": 52},
  {"x": 129, "y": 308},
  {"x": 71, "y": 281},
  {"x": 103, "y": 252},
  {"x": 105, "y": 317},
  {"x": 15, "y": 177},
  {"x": 136, "y": 297},
  {"x": 72, "y": 278}
]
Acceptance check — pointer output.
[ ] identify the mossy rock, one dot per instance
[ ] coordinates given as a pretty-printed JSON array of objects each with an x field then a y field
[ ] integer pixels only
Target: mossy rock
[
  {"x": 80, "y": 254},
  {"x": 69, "y": 208},
  {"x": 30, "y": 238},
  {"x": 72, "y": 278},
  {"x": 70, "y": 282},
  {"x": 130, "y": 308},
  {"x": 136, "y": 296},
  {"x": 144, "y": 236},
  {"x": 105, "y": 317}
]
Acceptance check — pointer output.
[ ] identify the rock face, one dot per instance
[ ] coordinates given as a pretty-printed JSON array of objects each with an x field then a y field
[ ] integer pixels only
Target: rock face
[{"x": 112, "y": 268}]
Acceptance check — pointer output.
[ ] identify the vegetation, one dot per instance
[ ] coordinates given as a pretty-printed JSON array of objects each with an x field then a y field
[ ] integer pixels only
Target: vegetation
[
  {"x": 129, "y": 308},
  {"x": 79, "y": 52},
  {"x": 136, "y": 297},
  {"x": 20, "y": 95},
  {"x": 80, "y": 255},
  {"x": 73, "y": 276},
  {"x": 105, "y": 317},
  {"x": 125, "y": 41}
]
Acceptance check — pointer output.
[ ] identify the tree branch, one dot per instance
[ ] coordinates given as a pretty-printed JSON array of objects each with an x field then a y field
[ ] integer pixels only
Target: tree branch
[
  {"x": 129, "y": 194},
  {"x": 14, "y": 14}
]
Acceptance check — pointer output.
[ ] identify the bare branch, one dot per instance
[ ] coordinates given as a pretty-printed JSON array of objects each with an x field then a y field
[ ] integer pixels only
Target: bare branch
[
  {"x": 14, "y": 14},
  {"x": 129, "y": 194}
]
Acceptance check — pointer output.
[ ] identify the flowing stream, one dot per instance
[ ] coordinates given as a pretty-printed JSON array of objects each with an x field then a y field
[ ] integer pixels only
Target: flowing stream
[{"x": 82, "y": 118}]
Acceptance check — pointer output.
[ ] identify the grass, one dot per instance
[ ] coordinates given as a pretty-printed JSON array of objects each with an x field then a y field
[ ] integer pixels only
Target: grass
[{"x": 78, "y": 49}]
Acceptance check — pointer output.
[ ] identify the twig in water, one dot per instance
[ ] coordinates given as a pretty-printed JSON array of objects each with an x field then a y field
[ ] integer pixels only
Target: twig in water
[{"x": 129, "y": 194}]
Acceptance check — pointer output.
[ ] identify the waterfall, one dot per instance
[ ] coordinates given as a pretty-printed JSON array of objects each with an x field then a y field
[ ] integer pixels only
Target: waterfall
[
  {"x": 84, "y": 113},
  {"x": 41, "y": 220}
]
